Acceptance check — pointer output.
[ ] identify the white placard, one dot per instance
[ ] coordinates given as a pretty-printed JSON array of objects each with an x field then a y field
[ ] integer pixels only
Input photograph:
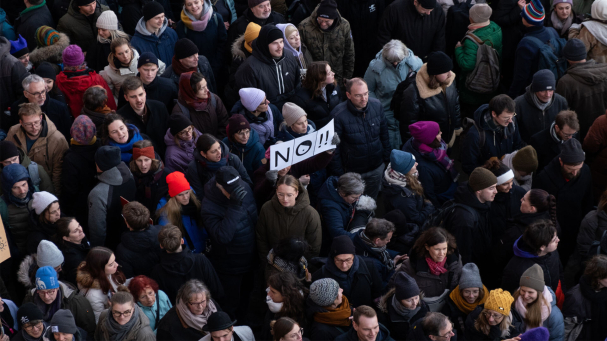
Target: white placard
[
  {"x": 324, "y": 136},
  {"x": 281, "y": 155},
  {"x": 303, "y": 147}
]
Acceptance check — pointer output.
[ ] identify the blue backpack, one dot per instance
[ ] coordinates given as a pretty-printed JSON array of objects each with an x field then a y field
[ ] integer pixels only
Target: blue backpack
[{"x": 551, "y": 55}]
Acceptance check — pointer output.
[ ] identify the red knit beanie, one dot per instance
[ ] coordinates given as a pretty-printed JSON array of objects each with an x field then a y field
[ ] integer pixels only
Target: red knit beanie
[{"x": 177, "y": 183}]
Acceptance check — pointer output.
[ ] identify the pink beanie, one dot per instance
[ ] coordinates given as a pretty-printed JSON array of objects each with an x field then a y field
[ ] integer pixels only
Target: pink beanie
[
  {"x": 424, "y": 131},
  {"x": 73, "y": 56}
]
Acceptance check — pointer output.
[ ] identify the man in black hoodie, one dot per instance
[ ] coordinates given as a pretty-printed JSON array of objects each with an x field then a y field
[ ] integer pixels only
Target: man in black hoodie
[
  {"x": 469, "y": 220},
  {"x": 178, "y": 265}
]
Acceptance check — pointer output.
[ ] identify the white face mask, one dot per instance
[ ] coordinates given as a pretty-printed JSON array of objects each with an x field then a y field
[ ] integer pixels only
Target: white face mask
[{"x": 274, "y": 307}]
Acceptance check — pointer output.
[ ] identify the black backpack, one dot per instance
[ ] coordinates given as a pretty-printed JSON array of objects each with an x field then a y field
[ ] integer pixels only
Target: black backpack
[
  {"x": 441, "y": 215},
  {"x": 458, "y": 19},
  {"x": 397, "y": 98},
  {"x": 467, "y": 124}
]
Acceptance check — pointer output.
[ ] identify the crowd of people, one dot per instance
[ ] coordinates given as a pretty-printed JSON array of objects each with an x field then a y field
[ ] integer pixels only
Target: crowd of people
[{"x": 463, "y": 195}]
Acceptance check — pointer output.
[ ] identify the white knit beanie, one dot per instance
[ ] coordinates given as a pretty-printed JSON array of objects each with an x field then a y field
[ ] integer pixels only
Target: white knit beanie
[
  {"x": 48, "y": 254},
  {"x": 599, "y": 10},
  {"x": 42, "y": 200},
  {"x": 292, "y": 112},
  {"x": 108, "y": 20},
  {"x": 251, "y": 98}
]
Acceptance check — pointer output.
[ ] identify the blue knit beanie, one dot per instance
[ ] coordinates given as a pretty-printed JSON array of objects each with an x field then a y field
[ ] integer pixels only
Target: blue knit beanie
[
  {"x": 46, "y": 278},
  {"x": 401, "y": 161}
]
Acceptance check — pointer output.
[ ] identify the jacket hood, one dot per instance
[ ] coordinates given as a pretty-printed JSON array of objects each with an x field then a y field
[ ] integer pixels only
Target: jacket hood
[
  {"x": 141, "y": 241},
  {"x": 25, "y": 270},
  {"x": 253, "y": 139},
  {"x": 170, "y": 141},
  {"x": 301, "y": 203},
  {"x": 521, "y": 249},
  {"x": 177, "y": 264},
  {"x": 5, "y": 46},
  {"x": 464, "y": 195},
  {"x": 237, "y": 49},
  {"x": 589, "y": 73},
  {"x": 141, "y": 29},
  {"x": 53, "y": 52},
  {"x": 115, "y": 176},
  {"x": 11, "y": 175}
]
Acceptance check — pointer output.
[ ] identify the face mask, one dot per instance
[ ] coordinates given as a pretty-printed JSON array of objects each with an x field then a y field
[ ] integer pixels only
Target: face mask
[{"x": 274, "y": 307}]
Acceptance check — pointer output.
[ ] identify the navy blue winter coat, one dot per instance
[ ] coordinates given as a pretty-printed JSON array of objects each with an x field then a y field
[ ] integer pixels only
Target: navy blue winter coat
[
  {"x": 210, "y": 42},
  {"x": 364, "y": 250},
  {"x": 334, "y": 211},
  {"x": 231, "y": 229},
  {"x": 162, "y": 47},
  {"x": 365, "y": 143},
  {"x": 474, "y": 155},
  {"x": 411, "y": 204}
]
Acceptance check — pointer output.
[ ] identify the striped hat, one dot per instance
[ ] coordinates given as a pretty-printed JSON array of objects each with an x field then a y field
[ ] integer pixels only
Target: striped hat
[
  {"x": 534, "y": 13},
  {"x": 46, "y": 36}
]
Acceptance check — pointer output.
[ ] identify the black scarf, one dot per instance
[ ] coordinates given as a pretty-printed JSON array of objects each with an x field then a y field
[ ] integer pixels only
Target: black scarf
[
  {"x": 191, "y": 210},
  {"x": 598, "y": 301}
]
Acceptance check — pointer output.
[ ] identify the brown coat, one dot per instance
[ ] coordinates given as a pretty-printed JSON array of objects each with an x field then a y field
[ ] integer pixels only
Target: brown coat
[
  {"x": 47, "y": 151},
  {"x": 213, "y": 120},
  {"x": 596, "y": 50},
  {"x": 595, "y": 145}
]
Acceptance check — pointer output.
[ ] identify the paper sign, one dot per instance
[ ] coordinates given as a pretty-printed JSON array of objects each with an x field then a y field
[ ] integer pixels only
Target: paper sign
[
  {"x": 324, "y": 136},
  {"x": 5, "y": 252},
  {"x": 303, "y": 148},
  {"x": 281, "y": 155}
]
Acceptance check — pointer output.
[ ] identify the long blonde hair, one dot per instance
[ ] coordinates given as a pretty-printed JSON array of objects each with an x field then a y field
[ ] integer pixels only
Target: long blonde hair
[
  {"x": 414, "y": 184},
  {"x": 172, "y": 210},
  {"x": 533, "y": 317},
  {"x": 481, "y": 324}
]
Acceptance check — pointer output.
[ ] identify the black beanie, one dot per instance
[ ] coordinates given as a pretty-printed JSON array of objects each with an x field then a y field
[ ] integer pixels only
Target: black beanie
[
  {"x": 342, "y": 245},
  {"x": 574, "y": 50},
  {"x": 543, "y": 80},
  {"x": 267, "y": 34},
  {"x": 184, "y": 48},
  {"x": 405, "y": 286},
  {"x": 152, "y": 9},
  {"x": 572, "y": 152},
  {"x": 178, "y": 123},
  {"x": 8, "y": 150},
  {"x": 46, "y": 70},
  {"x": 438, "y": 63},
  {"x": 27, "y": 313},
  {"x": 327, "y": 9},
  {"x": 83, "y": 2},
  {"x": 107, "y": 157},
  {"x": 427, "y": 4}
]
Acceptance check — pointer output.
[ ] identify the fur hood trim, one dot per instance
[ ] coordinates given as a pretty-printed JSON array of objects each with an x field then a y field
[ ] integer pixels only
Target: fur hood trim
[
  {"x": 366, "y": 203},
  {"x": 51, "y": 53},
  {"x": 237, "y": 51},
  {"x": 23, "y": 274},
  {"x": 422, "y": 79},
  {"x": 85, "y": 280}
]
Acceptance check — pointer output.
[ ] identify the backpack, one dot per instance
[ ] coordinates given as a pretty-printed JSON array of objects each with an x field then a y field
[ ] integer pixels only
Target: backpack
[
  {"x": 467, "y": 124},
  {"x": 485, "y": 78},
  {"x": 458, "y": 19},
  {"x": 440, "y": 215},
  {"x": 32, "y": 169},
  {"x": 397, "y": 98},
  {"x": 598, "y": 246},
  {"x": 551, "y": 55}
]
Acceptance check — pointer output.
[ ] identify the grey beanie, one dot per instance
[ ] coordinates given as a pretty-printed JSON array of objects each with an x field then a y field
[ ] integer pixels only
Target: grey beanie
[
  {"x": 63, "y": 322},
  {"x": 470, "y": 277},
  {"x": 48, "y": 255},
  {"x": 572, "y": 152},
  {"x": 324, "y": 292}
]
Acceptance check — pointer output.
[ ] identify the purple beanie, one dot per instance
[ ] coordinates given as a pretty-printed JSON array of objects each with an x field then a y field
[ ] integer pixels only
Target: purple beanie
[
  {"x": 536, "y": 334},
  {"x": 424, "y": 131},
  {"x": 72, "y": 56},
  {"x": 83, "y": 130}
]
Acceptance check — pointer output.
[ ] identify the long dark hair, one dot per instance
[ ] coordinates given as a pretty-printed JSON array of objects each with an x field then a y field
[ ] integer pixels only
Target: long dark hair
[
  {"x": 291, "y": 289},
  {"x": 315, "y": 76},
  {"x": 431, "y": 237},
  {"x": 109, "y": 119},
  {"x": 94, "y": 264}
]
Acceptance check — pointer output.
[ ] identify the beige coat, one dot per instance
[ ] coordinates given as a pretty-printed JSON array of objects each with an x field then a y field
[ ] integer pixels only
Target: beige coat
[{"x": 596, "y": 47}]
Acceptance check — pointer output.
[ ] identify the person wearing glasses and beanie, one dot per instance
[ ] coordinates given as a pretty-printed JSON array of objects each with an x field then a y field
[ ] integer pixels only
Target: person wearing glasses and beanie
[
  {"x": 243, "y": 142},
  {"x": 63, "y": 328},
  {"x": 494, "y": 320},
  {"x": 31, "y": 323}
]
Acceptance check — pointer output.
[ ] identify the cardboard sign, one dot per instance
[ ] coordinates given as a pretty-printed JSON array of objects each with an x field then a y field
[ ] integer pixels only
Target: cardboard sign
[
  {"x": 5, "y": 252},
  {"x": 291, "y": 152}
]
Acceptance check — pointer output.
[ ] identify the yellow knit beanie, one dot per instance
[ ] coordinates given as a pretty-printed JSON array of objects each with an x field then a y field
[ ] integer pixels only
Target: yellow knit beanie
[
  {"x": 251, "y": 33},
  {"x": 500, "y": 301}
]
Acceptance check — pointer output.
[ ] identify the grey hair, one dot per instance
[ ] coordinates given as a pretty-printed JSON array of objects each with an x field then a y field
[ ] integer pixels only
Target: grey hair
[
  {"x": 350, "y": 183},
  {"x": 94, "y": 97},
  {"x": 29, "y": 80},
  {"x": 192, "y": 287},
  {"x": 394, "y": 51}
]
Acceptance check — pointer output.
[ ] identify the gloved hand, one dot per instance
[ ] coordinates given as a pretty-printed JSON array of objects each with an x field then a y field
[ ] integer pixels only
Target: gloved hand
[
  {"x": 237, "y": 195},
  {"x": 335, "y": 141},
  {"x": 272, "y": 176}
]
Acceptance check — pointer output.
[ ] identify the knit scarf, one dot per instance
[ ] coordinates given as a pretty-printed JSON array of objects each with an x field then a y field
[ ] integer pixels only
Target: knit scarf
[
  {"x": 20, "y": 202},
  {"x": 436, "y": 268},
  {"x": 126, "y": 149},
  {"x": 197, "y": 25},
  {"x": 381, "y": 251},
  {"x": 598, "y": 303},
  {"x": 104, "y": 110},
  {"x": 463, "y": 305},
  {"x": 521, "y": 307},
  {"x": 187, "y": 96},
  {"x": 178, "y": 68},
  {"x": 48, "y": 310},
  {"x": 339, "y": 316},
  {"x": 402, "y": 310},
  {"x": 559, "y": 25},
  {"x": 493, "y": 126},
  {"x": 262, "y": 123},
  {"x": 195, "y": 321},
  {"x": 395, "y": 178},
  {"x": 539, "y": 104},
  {"x": 437, "y": 154},
  {"x": 299, "y": 270},
  {"x": 117, "y": 331},
  {"x": 214, "y": 166}
]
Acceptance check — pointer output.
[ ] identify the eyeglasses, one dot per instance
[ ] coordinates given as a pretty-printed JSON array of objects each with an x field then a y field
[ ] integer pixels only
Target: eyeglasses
[
  {"x": 197, "y": 304},
  {"x": 345, "y": 261},
  {"x": 119, "y": 314},
  {"x": 37, "y": 94},
  {"x": 48, "y": 292},
  {"x": 508, "y": 119},
  {"x": 495, "y": 316},
  {"x": 30, "y": 326}
]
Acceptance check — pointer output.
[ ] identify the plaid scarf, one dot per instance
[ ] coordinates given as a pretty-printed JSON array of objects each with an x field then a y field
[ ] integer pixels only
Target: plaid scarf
[
  {"x": 395, "y": 178},
  {"x": 381, "y": 251}
]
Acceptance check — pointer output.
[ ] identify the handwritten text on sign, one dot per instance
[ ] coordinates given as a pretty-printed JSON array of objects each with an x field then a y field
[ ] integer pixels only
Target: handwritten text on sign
[{"x": 291, "y": 152}]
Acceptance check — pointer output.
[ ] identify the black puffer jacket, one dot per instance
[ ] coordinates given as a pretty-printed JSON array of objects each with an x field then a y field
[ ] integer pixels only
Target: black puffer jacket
[
  {"x": 139, "y": 251},
  {"x": 398, "y": 325},
  {"x": 591, "y": 229},
  {"x": 504, "y": 208},
  {"x": 532, "y": 120},
  {"x": 317, "y": 108},
  {"x": 365, "y": 144}
]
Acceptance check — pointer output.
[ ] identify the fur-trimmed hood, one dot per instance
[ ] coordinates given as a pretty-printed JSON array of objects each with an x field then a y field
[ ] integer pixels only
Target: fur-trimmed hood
[
  {"x": 86, "y": 281},
  {"x": 423, "y": 78},
  {"x": 237, "y": 47},
  {"x": 52, "y": 53},
  {"x": 27, "y": 271}
]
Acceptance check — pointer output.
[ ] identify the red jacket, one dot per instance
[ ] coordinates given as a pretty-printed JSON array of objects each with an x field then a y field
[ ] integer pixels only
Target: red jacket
[{"x": 73, "y": 84}]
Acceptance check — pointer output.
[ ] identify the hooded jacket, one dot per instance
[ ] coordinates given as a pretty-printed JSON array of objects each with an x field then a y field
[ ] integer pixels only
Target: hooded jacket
[
  {"x": 16, "y": 218},
  {"x": 105, "y": 221},
  {"x": 583, "y": 87},
  {"x": 592, "y": 34},
  {"x": 277, "y": 222},
  {"x": 179, "y": 155},
  {"x": 231, "y": 229},
  {"x": 595, "y": 144},
  {"x": 278, "y": 78},
  {"x": 423, "y": 34},
  {"x": 45, "y": 181},
  {"x": 212, "y": 120},
  {"x": 250, "y": 154},
  {"x": 316, "y": 107},
  {"x": 367, "y": 252},
  {"x": 204, "y": 67},
  {"x": 198, "y": 174},
  {"x": 73, "y": 84},
  {"x": 174, "y": 269},
  {"x": 413, "y": 205},
  {"x": 334, "y": 45},
  {"x": 81, "y": 30},
  {"x": 47, "y": 150},
  {"x": 336, "y": 213},
  {"x": 162, "y": 46},
  {"x": 140, "y": 331},
  {"x": 351, "y": 335},
  {"x": 532, "y": 119},
  {"x": 496, "y": 144},
  {"x": 365, "y": 143},
  {"x": 156, "y": 125},
  {"x": 524, "y": 258},
  {"x": 238, "y": 27},
  {"x": 139, "y": 251},
  {"x": 12, "y": 73},
  {"x": 30, "y": 19}
]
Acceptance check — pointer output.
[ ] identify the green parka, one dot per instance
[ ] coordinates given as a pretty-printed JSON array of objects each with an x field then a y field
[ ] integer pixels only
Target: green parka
[{"x": 81, "y": 29}]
